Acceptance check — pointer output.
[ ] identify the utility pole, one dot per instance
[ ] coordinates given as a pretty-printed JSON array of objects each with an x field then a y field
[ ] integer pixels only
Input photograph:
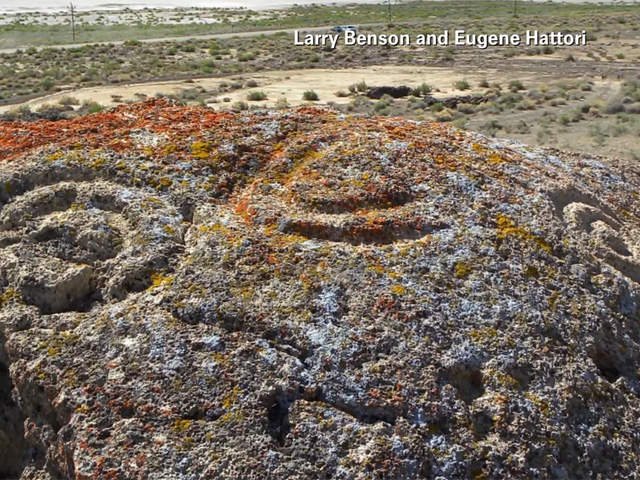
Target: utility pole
[
  {"x": 389, "y": 12},
  {"x": 72, "y": 9},
  {"x": 515, "y": 8}
]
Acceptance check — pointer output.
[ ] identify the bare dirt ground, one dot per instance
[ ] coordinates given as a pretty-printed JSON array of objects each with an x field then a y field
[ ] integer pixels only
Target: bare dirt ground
[{"x": 287, "y": 84}]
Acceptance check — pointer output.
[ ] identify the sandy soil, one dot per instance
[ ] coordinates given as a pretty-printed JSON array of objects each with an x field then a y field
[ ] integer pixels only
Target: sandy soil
[{"x": 289, "y": 84}]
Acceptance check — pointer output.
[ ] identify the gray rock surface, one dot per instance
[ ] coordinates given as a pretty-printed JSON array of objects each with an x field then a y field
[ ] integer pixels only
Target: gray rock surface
[{"x": 305, "y": 295}]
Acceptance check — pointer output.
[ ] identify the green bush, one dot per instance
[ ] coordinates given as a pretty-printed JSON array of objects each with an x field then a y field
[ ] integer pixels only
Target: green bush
[
  {"x": 246, "y": 56},
  {"x": 92, "y": 107},
  {"x": 516, "y": 85},
  {"x": 462, "y": 85},
  {"x": 240, "y": 106},
  {"x": 47, "y": 84},
  {"x": 256, "y": 96},
  {"x": 310, "y": 96},
  {"x": 422, "y": 90},
  {"x": 207, "y": 66},
  {"x": 359, "y": 87},
  {"x": 69, "y": 101}
]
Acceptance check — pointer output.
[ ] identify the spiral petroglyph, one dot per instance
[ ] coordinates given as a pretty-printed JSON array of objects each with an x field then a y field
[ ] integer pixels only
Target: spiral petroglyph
[
  {"x": 328, "y": 192},
  {"x": 68, "y": 244}
]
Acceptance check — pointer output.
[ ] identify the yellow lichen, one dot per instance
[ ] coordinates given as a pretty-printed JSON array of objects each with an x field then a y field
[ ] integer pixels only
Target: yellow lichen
[
  {"x": 461, "y": 270},
  {"x": 8, "y": 296},
  {"x": 169, "y": 148},
  {"x": 507, "y": 228},
  {"x": 98, "y": 163},
  {"x": 165, "y": 182},
  {"x": 159, "y": 280},
  {"x": 377, "y": 268},
  {"x": 495, "y": 158},
  {"x": 482, "y": 335},
  {"x": 231, "y": 398},
  {"x": 182, "y": 425},
  {"x": 201, "y": 150},
  {"x": 54, "y": 156}
]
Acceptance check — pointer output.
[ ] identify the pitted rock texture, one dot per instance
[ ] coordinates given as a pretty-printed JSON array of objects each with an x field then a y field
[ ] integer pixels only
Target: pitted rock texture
[{"x": 186, "y": 294}]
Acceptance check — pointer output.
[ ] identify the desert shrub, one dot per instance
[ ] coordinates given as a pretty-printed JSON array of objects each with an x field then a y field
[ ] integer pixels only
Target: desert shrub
[
  {"x": 467, "y": 108},
  {"x": 67, "y": 101},
  {"x": 359, "y": 104},
  {"x": 617, "y": 130},
  {"x": 614, "y": 106},
  {"x": 282, "y": 103},
  {"x": 460, "y": 122},
  {"x": 256, "y": 96},
  {"x": 47, "y": 84},
  {"x": 23, "y": 112},
  {"x": 246, "y": 56},
  {"x": 91, "y": 107},
  {"x": 310, "y": 96},
  {"x": 632, "y": 108},
  {"x": 521, "y": 127},
  {"x": 251, "y": 84},
  {"x": 598, "y": 135},
  {"x": 556, "y": 102},
  {"x": 189, "y": 94},
  {"x": 516, "y": 85},
  {"x": 543, "y": 135},
  {"x": 462, "y": 85},
  {"x": 422, "y": 90},
  {"x": 526, "y": 105},
  {"x": 240, "y": 106},
  {"x": 53, "y": 112},
  {"x": 491, "y": 127},
  {"x": 207, "y": 66},
  {"x": 359, "y": 87},
  {"x": 445, "y": 115}
]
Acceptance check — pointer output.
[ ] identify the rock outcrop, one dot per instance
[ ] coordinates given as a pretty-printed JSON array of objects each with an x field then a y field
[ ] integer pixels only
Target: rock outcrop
[{"x": 187, "y": 294}]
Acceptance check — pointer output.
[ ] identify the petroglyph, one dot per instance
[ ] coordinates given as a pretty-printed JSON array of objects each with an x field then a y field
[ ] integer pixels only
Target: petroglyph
[
  {"x": 70, "y": 244},
  {"x": 613, "y": 242}
]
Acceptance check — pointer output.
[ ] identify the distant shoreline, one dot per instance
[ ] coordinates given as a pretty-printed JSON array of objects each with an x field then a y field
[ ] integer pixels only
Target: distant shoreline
[
  {"x": 57, "y": 7},
  {"x": 162, "y": 5}
]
